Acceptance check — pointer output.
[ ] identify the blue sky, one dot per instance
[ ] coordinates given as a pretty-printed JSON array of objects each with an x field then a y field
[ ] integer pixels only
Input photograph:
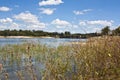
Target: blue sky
[{"x": 76, "y": 16}]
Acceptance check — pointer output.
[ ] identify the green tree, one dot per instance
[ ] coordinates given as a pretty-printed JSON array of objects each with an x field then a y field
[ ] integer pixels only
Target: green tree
[
  {"x": 105, "y": 30},
  {"x": 67, "y": 33},
  {"x": 117, "y": 31}
]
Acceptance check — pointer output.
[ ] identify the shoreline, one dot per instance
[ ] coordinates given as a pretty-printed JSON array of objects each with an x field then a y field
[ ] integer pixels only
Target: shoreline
[
  {"x": 36, "y": 37},
  {"x": 24, "y": 37}
]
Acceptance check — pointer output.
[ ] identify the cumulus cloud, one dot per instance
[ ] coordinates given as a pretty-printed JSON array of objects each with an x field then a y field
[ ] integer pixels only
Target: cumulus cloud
[
  {"x": 100, "y": 22},
  {"x": 7, "y": 23},
  {"x": 60, "y": 23},
  {"x": 96, "y": 22},
  {"x": 75, "y": 26},
  {"x": 50, "y": 2},
  {"x": 27, "y": 17},
  {"x": 6, "y": 20},
  {"x": 82, "y": 23},
  {"x": 30, "y": 20},
  {"x": 76, "y": 12},
  {"x": 47, "y": 11},
  {"x": 4, "y": 9},
  {"x": 94, "y": 25}
]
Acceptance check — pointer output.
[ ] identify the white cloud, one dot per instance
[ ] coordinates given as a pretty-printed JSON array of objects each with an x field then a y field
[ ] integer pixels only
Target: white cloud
[
  {"x": 47, "y": 11},
  {"x": 76, "y": 12},
  {"x": 100, "y": 22},
  {"x": 75, "y": 26},
  {"x": 96, "y": 22},
  {"x": 31, "y": 21},
  {"x": 94, "y": 25},
  {"x": 7, "y": 23},
  {"x": 27, "y": 17},
  {"x": 14, "y": 26},
  {"x": 50, "y": 2},
  {"x": 60, "y": 23},
  {"x": 4, "y": 9},
  {"x": 6, "y": 20},
  {"x": 82, "y": 23}
]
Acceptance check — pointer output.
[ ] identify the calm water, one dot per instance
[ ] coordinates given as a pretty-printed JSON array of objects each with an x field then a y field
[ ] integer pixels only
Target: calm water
[{"x": 47, "y": 41}]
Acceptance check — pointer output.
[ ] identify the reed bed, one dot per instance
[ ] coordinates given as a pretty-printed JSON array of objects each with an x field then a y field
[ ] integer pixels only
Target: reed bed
[{"x": 97, "y": 59}]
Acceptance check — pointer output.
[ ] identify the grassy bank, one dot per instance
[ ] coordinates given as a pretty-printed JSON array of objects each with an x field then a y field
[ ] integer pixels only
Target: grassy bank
[{"x": 98, "y": 59}]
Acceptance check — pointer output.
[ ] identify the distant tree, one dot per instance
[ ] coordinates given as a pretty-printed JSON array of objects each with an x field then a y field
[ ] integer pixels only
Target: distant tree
[
  {"x": 39, "y": 33},
  {"x": 6, "y": 33},
  {"x": 116, "y": 31},
  {"x": 67, "y": 33},
  {"x": 105, "y": 30}
]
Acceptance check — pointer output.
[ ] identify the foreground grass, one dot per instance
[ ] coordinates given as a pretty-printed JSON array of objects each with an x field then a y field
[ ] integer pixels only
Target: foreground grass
[{"x": 98, "y": 59}]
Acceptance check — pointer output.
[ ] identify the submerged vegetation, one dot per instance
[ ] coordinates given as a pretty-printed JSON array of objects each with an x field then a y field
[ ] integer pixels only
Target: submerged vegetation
[{"x": 97, "y": 59}]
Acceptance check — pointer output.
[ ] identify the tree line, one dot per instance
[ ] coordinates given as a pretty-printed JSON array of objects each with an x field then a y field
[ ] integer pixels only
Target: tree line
[
  {"x": 38, "y": 33},
  {"x": 106, "y": 31}
]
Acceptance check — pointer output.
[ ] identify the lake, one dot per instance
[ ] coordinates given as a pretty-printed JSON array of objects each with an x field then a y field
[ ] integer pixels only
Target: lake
[
  {"x": 12, "y": 67},
  {"x": 46, "y": 41}
]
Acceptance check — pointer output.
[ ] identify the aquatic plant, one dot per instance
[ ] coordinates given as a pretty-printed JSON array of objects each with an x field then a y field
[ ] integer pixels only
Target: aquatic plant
[{"x": 96, "y": 59}]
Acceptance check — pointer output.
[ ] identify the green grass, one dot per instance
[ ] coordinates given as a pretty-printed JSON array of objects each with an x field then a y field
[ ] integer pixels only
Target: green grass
[{"x": 98, "y": 59}]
